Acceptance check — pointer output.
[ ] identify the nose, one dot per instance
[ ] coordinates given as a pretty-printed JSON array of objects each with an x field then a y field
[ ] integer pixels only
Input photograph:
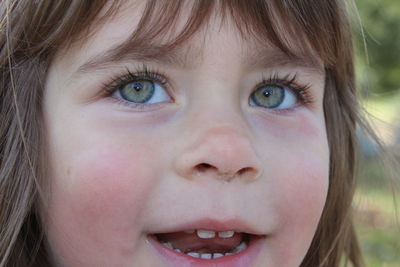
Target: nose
[{"x": 220, "y": 153}]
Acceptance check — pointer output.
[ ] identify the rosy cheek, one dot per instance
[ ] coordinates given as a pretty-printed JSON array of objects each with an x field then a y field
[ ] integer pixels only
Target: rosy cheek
[
  {"x": 105, "y": 184},
  {"x": 103, "y": 197}
]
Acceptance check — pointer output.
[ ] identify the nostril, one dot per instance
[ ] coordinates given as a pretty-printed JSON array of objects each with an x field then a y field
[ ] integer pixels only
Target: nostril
[
  {"x": 245, "y": 170},
  {"x": 247, "y": 173},
  {"x": 203, "y": 167}
]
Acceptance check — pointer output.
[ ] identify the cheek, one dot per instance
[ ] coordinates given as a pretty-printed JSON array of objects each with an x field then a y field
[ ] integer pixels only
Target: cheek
[
  {"x": 303, "y": 188},
  {"x": 102, "y": 184},
  {"x": 297, "y": 175},
  {"x": 97, "y": 199}
]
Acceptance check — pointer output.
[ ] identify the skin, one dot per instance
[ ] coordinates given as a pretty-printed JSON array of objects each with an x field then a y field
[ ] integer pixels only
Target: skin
[{"x": 118, "y": 172}]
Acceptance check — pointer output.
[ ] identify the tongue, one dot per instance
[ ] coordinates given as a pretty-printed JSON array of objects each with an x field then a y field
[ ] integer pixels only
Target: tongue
[{"x": 192, "y": 243}]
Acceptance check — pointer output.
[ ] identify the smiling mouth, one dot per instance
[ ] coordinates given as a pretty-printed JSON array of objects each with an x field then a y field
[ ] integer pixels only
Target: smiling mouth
[{"x": 206, "y": 244}]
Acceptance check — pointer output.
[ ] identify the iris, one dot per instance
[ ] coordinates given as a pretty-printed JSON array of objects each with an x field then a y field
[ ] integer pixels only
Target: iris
[
  {"x": 138, "y": 91},
  {"x": 271, "y": 96}
]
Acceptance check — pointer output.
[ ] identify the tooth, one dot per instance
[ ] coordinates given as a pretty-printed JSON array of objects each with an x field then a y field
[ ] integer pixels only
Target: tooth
[
  {"x": 189, "y": 231},
  {"x": 217, "y": 255},
  {"x": 178, "y": 250},
  {"x": 205, "y": 234},
  {"x": 168, "y": 245},
  {"x": 194, "y": 254},
  {"x": 241, "y": 247},
  {"x": 206, "y": 256},
  {"x": 226, "y": 234}
]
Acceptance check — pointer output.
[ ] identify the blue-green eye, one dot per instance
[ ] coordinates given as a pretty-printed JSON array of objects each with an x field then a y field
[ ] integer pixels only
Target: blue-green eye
[
  {"x": 273, "y": 97},
  {"x": 137, "y": 90}
]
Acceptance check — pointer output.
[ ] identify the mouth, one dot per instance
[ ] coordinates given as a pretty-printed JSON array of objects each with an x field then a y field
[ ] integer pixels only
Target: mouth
[
  {"x": 205, "y": 244},
  {"x": 202, "y": 246}
]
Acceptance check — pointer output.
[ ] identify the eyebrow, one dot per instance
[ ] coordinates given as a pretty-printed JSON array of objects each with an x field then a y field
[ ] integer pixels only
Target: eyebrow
[
  {"x": 188, "y": 58},
  {"x": 177, "y": 57},
  {"x": 276, "y": 58}
]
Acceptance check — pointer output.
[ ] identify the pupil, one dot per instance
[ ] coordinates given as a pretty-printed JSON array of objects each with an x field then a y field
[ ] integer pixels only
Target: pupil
[
  {"x": 137, "y": 87},
  {"x": 267, "y": 93}
]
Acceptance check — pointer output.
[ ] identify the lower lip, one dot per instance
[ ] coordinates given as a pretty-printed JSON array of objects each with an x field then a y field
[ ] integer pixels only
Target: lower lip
[{"x": 244, "y": 258}]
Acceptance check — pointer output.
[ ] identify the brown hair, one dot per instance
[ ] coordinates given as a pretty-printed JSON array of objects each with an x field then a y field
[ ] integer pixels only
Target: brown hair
[{"x": 32, "y": 31}]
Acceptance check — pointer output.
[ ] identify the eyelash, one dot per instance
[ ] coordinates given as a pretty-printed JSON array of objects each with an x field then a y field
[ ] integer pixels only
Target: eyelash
[{"x": 289, "y": 81}]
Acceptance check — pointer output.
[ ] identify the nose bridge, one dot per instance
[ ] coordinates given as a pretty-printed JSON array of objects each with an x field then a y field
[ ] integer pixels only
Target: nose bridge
[{"x": 220, "y": 151}]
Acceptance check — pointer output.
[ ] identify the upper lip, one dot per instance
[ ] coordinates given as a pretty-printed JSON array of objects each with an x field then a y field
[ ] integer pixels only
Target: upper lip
[{"x": 217, "y": 225}]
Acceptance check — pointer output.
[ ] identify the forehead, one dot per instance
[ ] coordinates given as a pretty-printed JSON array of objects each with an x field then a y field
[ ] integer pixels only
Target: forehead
[{"x": 132, "y": 34}]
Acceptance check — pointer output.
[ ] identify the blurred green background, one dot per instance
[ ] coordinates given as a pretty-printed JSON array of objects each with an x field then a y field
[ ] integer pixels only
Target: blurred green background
[{"x": 378, "y": 71}]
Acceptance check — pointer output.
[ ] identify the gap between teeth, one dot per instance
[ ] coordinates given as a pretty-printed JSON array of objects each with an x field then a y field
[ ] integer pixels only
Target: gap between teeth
[{"x": 242, "y": 246}]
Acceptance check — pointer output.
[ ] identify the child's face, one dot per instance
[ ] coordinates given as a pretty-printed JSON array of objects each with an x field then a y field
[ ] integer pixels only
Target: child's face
[{"x": 194, "y": 148}]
